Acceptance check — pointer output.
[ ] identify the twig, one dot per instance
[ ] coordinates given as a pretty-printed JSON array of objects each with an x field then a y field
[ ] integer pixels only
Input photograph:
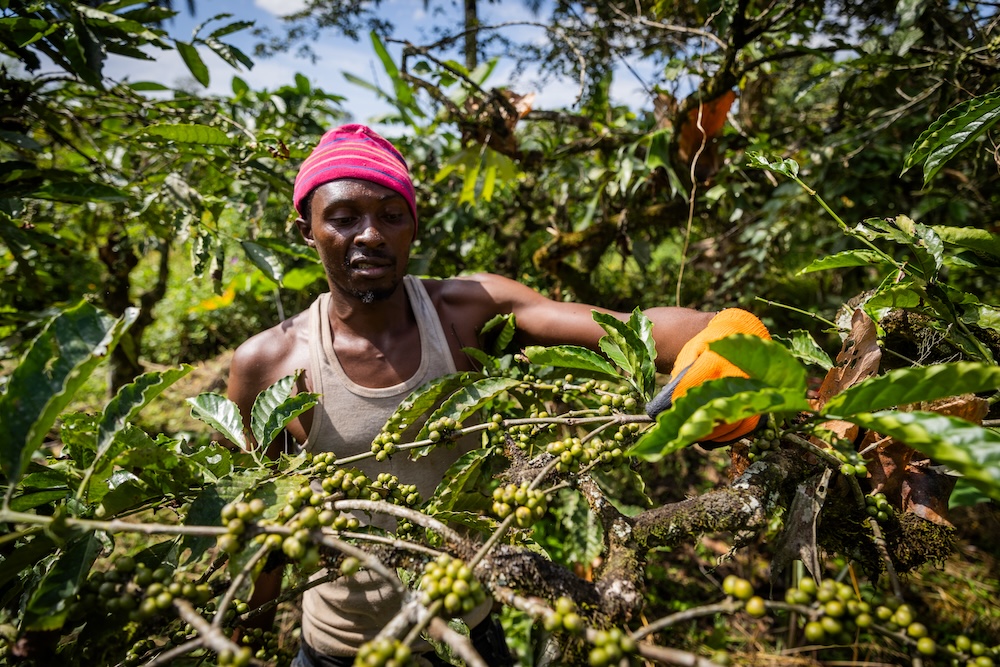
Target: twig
[
  {"x": 462, "y": 645},
  {"x": 210, "y": 635},
  {"x": 413, "y": 516},
  {"x": 725, "y": 607},
  {"x": 236, "y": 584}
]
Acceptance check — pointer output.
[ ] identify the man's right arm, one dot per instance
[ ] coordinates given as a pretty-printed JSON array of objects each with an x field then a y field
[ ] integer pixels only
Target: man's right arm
[{"x": 256, "y": 364}]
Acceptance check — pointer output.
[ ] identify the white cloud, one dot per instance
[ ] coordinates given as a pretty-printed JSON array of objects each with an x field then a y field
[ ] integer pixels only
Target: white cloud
[{"x": 280, "y": 7}]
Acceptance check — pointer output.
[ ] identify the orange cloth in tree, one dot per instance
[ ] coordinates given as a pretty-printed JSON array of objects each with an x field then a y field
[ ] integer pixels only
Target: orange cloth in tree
[{"x": 696, "y": 364}]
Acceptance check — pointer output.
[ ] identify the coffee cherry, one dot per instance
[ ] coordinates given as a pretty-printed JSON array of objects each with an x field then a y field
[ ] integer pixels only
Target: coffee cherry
[
  {"x": 756, "y": 607},
  {"x": 814, "y": 631},
  {"x": 741, "y": 589},
  {"x": 926, "y": 646}
]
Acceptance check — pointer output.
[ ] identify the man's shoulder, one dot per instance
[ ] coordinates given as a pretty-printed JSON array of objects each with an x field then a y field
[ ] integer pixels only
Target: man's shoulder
[
  {"x": 472, "y": 300},
  {"x": 471, "y": 288},
  {"x": 276, "y": 343}
]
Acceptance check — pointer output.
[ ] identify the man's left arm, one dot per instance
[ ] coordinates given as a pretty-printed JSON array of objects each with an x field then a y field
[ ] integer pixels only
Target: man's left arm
[{"x": 682, "y": 337}]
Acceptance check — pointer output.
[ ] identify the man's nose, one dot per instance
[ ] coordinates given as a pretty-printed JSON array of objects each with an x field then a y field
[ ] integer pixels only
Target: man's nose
[{"x": 369, "y": 234}]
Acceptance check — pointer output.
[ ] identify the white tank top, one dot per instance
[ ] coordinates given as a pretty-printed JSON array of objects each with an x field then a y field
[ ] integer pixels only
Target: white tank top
[{"x": 340, "y": 616}]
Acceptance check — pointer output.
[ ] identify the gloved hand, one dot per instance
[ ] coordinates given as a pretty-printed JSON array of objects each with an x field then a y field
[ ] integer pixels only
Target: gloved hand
[{"x": 696, "y": 364}]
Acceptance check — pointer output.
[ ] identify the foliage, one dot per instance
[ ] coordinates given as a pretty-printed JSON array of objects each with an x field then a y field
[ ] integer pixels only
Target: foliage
[{"x": 121, "y": 544}]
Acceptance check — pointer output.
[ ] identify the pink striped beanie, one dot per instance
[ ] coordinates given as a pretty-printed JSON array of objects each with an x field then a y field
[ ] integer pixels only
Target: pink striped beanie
[{"x": 354, "y": 151}]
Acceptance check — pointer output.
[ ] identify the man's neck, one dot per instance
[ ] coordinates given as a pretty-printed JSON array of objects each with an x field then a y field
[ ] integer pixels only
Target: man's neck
[{"x": 381, "y": 318}]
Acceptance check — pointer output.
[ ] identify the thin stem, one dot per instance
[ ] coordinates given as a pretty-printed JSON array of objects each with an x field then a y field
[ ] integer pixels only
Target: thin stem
[
  {"x": 113, "y": 526},
  {"x": 798, "y": 310},
  {"x": 236, "y": 584}
]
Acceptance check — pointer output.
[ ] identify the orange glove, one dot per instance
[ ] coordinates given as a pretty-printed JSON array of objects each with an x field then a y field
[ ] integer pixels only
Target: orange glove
[{"x": 696, "y": 364}]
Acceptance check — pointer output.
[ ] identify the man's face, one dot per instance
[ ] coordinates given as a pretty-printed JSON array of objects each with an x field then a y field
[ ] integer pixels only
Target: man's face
[{"x": 362, "y": 232}]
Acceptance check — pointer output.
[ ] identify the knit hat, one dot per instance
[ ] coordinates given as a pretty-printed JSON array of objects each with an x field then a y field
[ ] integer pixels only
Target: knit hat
[{"x": 354, "y": 151}]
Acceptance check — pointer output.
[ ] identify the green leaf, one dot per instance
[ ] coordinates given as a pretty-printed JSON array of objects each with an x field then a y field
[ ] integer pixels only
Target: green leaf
[
  {"x": 624, "y": 347},
  {"x": 265, "y": 260},
  {"x": 230, "y": 28},
  {"x": 206, "y": 508},
  {"x": 129, "y": 400},
  {"x": 901, "y": 295},
  {"x": 927, "y": 246},
  {"x": 49, "y": 603},
  {"x": 78, "y": 191},
  {"x": 764, "y": 360},
  {"x": 658, "y": 154},
  {"x": 221, "y": 414},
  {"x": 404, "y": 95},
  {"x": 231, "y": 54},
  {"x": 845, "y": 259},
  {"x": 27, "y": 31},
  {"x": 19, "y": 140},
  {"x": 570, "y": 356},
  {"x": 24, "y": 557},
  {"x": 125, "y": 26},
  {"x": 805, "y": 348},
  {"x": 465, "y": 474},
  {"x": 464, "y": 402},
  {"x": 954, "y": 130},
  {"x": 695, "y": 415},
  {"x": 193, "y": 61},
  {"x": 428, "y": 395},
  {"x": 973, "y": 238},
  {"x": 58, "y": 362},
  {"x": 279, "y": 417},
  {"x": 910, "y": 385},
  {"x": 965, "y": 447},
  {"x": 507, "y": 323},
  {"x": 786, "y": 167},
  {"x": 270, "y": 412},
  {"x": 29, "y": 501},
  {"x": 643, "y": 327},
  {"x": 186, "y": 133},
  {"x": 963, "y": 495}
]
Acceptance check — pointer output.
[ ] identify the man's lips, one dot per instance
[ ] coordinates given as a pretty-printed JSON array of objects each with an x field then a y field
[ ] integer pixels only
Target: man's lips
[{"x": 367, "y": 262}]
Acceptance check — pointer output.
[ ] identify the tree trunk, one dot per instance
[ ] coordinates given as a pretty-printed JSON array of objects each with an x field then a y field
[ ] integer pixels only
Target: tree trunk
[{"x": 471, "y": 35}]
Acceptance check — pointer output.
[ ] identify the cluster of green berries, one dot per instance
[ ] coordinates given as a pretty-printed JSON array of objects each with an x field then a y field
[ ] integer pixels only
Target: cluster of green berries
[
  {"x": 442, "y": 430},
  {"x": 267, "y": 645},
  {"x": 321, "y": 461},
  {"x": 851, "y": 462},
  {"x": 386, "y": 444},
  {"x": 384, "y": 652},
  {"x": 525, "y": 434},
  {"x": 563, "y": 617},
  {"x": 137, "y": 590},
  {"x": 765, "y": 440},
  {"x": 451, "y": 581},
  {"x": 741, "y": 589},
  {"x": 573, "y": 453},
  {"x": 236, "y": 516},
  {"x": 304, "y": 511},
  {"x": 981, "y": 656},
  {"x": 239, "y": 658},
  {"x": 528, "y": 505},
  {"x": 610, "y": 646},
  {"x": 840, "y": 614},
  {"x": 878, "y": 507}
]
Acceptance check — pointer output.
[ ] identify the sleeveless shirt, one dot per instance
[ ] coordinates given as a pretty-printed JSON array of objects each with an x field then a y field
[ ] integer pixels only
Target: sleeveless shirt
[{"x": 339, "y": 616}]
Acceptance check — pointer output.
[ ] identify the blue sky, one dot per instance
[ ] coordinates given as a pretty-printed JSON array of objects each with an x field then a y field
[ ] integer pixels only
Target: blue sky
[{"x": 337, "y": 55}]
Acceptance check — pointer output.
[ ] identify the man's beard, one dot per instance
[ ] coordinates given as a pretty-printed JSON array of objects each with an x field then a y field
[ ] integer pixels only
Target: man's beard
[{"x": 373, "y": 295}]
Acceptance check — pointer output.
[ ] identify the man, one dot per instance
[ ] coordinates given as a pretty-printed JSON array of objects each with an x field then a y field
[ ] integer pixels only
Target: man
[{"x": 379, "y": 333}]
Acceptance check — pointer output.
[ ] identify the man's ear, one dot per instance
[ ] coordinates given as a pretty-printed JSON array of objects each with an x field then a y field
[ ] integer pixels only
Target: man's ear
[{"x": 306, "y": 230}]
